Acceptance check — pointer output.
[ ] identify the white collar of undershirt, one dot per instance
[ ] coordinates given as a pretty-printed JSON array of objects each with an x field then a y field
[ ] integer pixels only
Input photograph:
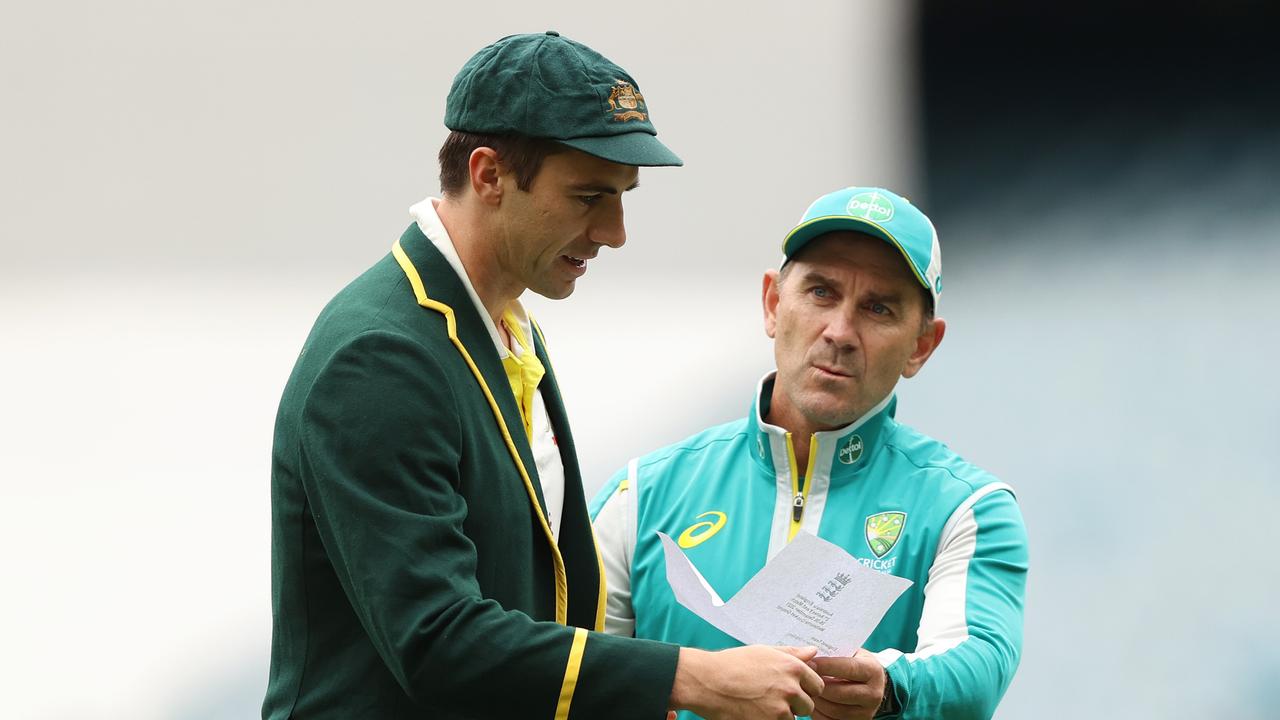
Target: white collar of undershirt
[{"x": 424, "y": 214}]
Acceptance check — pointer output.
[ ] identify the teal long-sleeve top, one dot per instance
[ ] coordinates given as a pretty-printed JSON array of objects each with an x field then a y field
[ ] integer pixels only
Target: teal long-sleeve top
[{"x": 898, "y": 501}]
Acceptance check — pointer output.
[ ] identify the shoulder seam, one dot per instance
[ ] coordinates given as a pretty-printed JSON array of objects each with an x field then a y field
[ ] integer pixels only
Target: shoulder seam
[
  {"x": 665, "y": 454},
  {"x": 933, "y": 466}
]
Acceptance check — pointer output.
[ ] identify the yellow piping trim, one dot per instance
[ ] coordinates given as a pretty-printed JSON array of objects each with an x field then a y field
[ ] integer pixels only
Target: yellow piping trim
[
  {"x": 795, "y": 489},
  {"x": 571, "y": 674},
  {"x": 795, "y": 481},
  {"x": 420, "y": 292},
  {"x": 603, "y": 591}
]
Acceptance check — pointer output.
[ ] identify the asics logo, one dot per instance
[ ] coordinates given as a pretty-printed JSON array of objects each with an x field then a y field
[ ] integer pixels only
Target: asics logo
[{"x": 700, "y": 532}]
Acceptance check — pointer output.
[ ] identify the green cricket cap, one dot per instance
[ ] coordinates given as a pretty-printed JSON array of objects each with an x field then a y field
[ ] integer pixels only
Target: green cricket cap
[
  {"x": 879, "y": 213},
  {"x": 547, "y": 86}
]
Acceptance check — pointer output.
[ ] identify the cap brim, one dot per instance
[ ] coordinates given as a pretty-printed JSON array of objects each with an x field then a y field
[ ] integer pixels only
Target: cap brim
[
  {"x": 803, "y": 233},
  {"x": 634, "y": 148}
]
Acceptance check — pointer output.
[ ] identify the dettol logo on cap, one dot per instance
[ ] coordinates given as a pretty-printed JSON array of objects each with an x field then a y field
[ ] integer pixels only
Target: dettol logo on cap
[{"x": 871, "y": 206}]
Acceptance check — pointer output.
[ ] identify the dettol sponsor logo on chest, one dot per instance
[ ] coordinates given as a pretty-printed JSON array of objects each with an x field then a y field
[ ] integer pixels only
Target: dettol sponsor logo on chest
[{"x": 851, "y": 450}]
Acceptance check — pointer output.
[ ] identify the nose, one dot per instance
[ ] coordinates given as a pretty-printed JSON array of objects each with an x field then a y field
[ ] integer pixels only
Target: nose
[
  {"x": 841, "y": 329},
  {"x": 609, "y": 228}
]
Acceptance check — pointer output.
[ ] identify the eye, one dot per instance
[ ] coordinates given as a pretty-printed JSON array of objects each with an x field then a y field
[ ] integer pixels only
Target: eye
[
  {"x": 820, "y": 292},
  {"x": 880, "y": 309},
  {"x": 590, "y": 200}
]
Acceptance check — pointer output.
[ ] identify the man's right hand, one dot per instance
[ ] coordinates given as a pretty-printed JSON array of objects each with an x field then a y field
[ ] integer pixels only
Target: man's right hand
[{"x": 752, "y": 683}]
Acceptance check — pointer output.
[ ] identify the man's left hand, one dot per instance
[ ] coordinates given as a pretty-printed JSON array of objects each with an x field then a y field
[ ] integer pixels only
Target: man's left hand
[{"x": 854, "y": 689}]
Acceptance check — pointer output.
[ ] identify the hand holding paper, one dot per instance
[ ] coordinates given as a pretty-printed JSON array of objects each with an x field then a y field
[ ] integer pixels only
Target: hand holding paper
[{"x": 810, "y": 593}]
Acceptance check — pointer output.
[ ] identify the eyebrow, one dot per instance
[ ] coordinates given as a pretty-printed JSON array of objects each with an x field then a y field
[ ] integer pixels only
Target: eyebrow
[
  {"x": 886, "y": 298},
  {"x": 894, "y": 298},
  {"x": 602, "y": 188},
  {"x": 815, "y": 276}
]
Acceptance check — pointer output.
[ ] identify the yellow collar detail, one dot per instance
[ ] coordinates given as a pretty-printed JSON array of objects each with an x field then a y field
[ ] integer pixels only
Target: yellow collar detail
[{"x": 524, "y": 371}]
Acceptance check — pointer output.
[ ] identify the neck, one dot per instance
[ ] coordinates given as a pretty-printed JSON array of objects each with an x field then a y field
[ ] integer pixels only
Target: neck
[
  {"x": 480, "y": 257},
  {"x": 800, "y": 446},
  {"x": 784, "y": 416}
]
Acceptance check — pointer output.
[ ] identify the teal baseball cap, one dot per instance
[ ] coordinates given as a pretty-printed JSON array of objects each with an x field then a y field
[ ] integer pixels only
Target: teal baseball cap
[
  {"x": 879, "y": 213},
  {"x": 547, "y": 86}
]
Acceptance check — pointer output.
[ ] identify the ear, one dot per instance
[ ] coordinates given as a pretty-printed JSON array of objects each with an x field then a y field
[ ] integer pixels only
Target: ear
[
  {"x": 769, "y": 299},
  {"x": 928, "y": 341},
  {"x": 486, "y": 175}
]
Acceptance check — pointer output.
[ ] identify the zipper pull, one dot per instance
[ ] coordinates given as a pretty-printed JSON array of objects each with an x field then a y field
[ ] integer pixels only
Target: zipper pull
[{"x": 797, "y": 507}]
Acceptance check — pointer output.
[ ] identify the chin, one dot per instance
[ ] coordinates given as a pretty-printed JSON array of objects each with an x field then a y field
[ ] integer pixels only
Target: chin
[
  {"x": 831, "y": 421},
  {"x": 829, "y": 412},
  {"x": 555, "y": 293}
]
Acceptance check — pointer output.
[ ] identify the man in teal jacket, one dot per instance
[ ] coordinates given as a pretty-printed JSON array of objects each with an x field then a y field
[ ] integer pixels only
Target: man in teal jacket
[
  {"x": 432, "y": 556},
  {"x": 851, "y": 311}
]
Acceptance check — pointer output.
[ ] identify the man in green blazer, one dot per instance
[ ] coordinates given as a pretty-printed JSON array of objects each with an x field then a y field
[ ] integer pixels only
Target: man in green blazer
[{"x": 432, "y": 556}]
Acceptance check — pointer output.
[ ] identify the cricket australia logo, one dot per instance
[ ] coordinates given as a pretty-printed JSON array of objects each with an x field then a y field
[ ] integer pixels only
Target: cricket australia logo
[
  {"x": 883, "y": 531},
  {"x": 872, "y": 206},
  {"x": 851, "y": 450}
]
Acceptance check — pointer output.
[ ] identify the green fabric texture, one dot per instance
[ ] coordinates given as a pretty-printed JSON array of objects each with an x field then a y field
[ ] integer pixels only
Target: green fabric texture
[
  {"x": 548, "y": 86},
  {"x": 410, "y": 574}
]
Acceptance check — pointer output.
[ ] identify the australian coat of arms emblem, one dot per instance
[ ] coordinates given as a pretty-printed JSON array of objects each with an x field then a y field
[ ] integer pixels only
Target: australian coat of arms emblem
[{"x": 626, "y": 103}]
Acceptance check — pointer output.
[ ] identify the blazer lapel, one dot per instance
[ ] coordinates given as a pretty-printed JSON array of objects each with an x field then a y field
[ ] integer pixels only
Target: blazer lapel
[
  {"x": 443, "y": 285},
  {"x": 577, "y": 543},
  {"x": 550, "y": 390}
]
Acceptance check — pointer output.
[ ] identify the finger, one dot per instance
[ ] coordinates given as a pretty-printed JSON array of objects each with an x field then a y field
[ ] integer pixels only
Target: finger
[
  {"x": 801, "y": 705},
  {"x": 846, "y": 692},
  {"x": 671, "y": 715},
  {"x": 811, "y": 682},
  {"x": 844, "y": 713},
  {"x": 860, "y": 706},
  {"x": 854, "y": 669},
  {"x": 841, "y": 692},
  {"x": 804, "y": 653}
]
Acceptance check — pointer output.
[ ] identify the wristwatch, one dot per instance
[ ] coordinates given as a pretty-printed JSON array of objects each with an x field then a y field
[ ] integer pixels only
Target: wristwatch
[{"x": 888, "y": 704}]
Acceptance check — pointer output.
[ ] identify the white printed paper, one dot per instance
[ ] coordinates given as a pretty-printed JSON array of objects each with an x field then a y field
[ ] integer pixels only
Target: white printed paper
[{"x": 810, "y": 593}]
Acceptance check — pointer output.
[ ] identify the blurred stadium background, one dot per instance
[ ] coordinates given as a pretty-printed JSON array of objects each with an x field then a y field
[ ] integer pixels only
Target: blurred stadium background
[{"x": 187, "y": 184}]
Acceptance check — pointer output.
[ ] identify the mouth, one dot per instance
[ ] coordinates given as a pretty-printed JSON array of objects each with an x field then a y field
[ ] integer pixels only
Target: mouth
[
  {"x": 576, "y": 266},
  {"x": 827, "y": 371}
]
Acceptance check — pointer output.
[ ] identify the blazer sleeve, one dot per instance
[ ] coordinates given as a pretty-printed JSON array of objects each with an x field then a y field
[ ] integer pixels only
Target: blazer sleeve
[{"x": 381, "y": 444}]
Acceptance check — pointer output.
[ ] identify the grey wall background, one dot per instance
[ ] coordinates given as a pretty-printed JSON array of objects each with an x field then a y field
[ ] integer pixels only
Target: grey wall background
[{"x": 187, "y": 184}]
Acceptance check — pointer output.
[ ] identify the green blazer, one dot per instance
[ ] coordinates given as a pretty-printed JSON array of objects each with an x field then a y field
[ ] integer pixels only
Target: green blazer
[{"x": 413, "y": 572}]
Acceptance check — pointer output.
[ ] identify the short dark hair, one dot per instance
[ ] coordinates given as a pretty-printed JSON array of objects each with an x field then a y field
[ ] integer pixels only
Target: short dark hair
[
  {"x": 926, "y": 297},
  {"x": 521, "y": 154}
]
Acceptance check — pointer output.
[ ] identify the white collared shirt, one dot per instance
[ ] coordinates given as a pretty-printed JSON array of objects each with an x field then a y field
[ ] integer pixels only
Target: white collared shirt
[{"x": 546, "y": 453}]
